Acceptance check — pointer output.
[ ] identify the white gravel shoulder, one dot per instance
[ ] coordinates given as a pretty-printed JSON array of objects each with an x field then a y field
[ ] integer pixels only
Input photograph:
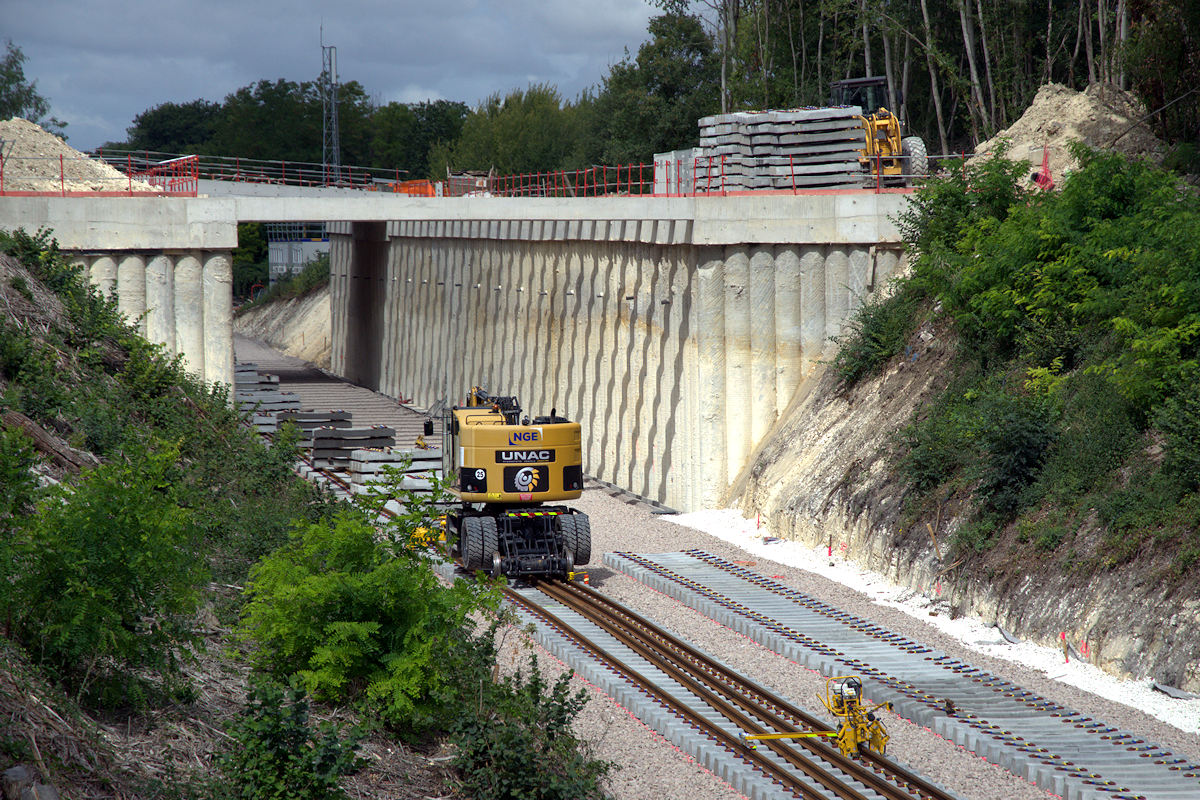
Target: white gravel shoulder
[{"x": 650, "y": 768}]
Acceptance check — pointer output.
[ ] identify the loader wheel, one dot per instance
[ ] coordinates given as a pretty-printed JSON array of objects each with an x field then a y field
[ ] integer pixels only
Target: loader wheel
[
  {"x": 470, "y": 543},
  {"x": 916, "y": 157},
  {"x": 577, "y": 535},
  {"x": 490, "y": 542}
]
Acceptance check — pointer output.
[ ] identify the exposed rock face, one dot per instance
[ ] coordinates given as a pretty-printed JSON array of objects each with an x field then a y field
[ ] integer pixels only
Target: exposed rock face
[
  {"x": 823, "y": 476},
  {"x": 298, "y": 327}
]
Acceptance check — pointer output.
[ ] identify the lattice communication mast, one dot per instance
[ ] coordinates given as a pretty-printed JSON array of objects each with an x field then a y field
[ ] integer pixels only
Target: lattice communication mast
[{"x": 331, "y": 148}]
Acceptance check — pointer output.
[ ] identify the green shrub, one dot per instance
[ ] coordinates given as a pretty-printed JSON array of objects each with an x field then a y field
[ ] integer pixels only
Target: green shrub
[
  {"x": 1179, "y": 421},
  {"x": 353, "y": 617},
  {"x": 516, "y": 741},
  {"x": 1016, "y": 432},
  {"x": 18, "y": 486},
  {"x": 314, "y": 275},
  {"x": 878, "y": 330},
  {"x": 278, "y": 756},
  {"x": 102, "y": 581}
]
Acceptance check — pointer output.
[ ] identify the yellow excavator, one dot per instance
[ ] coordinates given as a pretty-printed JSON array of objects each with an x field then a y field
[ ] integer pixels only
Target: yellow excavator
[
  {"x": 507, "y": 468},
  {"x": 887, "y": 155}
]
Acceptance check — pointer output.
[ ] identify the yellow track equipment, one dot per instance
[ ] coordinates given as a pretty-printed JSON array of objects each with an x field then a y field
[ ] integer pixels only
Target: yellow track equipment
[
  {"x": 887, "y": 155},
  {"x": 506, "y": 469},
  {"x": 857, "y": 724}
]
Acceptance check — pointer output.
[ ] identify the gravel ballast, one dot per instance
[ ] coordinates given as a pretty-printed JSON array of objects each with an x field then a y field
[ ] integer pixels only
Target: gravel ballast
[{"x": 650, "y": 767}]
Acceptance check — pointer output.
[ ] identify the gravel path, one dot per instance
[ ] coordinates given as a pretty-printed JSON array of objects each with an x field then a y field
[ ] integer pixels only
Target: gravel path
[{"x": 652, "y": 769}]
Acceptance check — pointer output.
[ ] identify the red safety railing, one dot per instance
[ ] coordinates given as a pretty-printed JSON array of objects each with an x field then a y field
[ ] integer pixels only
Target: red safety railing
[
  {"x": 690, "y": 177},
  {"x": 176, "y": 176},
  {"x": 666, "y": 177},
  {"x": 257, "y": 170},
  {"x": 67, "y": 175}
]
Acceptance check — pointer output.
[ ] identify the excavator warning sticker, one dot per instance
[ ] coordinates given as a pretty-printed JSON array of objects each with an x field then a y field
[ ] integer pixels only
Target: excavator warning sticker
[{"x": 526, "y": 479}]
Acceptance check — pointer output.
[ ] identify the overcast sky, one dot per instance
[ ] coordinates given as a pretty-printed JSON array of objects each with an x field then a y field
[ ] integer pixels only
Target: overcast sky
[{"x": 102, "y": 62}]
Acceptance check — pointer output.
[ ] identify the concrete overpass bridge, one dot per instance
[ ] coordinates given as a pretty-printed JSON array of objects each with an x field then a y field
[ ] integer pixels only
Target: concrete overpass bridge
[{"x": 676, "y": 329}]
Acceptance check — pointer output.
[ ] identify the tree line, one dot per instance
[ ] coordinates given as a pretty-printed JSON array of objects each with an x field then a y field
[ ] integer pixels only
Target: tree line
[{"x": 958, "y": 72}]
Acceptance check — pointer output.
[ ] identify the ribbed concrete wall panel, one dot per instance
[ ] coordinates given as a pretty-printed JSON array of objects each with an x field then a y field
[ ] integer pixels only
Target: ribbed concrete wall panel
[
  {"x": 789, "y": 368},
  {"x": 738, "y": 413},
  {"x": 761, "y": 407},
  {"x": 676, "y": 359}
]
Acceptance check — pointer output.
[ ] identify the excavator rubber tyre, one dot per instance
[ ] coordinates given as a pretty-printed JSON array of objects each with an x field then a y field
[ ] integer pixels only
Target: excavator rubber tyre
[
  {"x": 490, "y": 537},
  {"x": 916, "y": 157},
  {"x": 577, "y": 536},
  {"x": 471, "y": 544}
]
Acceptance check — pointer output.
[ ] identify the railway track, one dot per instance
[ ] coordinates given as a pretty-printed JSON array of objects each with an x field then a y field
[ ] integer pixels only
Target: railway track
[
  {"x": 720, "y": 703},
  {"x": 1061, "y": 750}
]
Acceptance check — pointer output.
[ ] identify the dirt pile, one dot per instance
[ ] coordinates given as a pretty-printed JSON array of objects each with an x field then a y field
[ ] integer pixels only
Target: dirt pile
[
  {"x": 36, "y": 160},
  {"x": 1102, "y": 116}
]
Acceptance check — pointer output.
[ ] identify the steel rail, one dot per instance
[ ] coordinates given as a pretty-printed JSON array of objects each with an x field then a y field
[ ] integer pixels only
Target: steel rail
[
  {"x": 731, "y": 742},
  {"x": 725, "y": 703},
  {"x": 880, "y": 774}
]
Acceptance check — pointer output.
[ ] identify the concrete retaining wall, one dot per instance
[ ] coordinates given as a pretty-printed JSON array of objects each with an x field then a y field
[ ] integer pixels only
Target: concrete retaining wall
[
  {"x": 677, "y": 355},
  {"x": 167, "y": 260},
  {"x": 182, "y": 301}
]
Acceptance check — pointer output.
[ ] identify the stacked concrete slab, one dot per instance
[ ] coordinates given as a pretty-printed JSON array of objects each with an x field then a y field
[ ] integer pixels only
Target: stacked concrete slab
[
  {"x": 810, "y": 148},
  {"x": 367, "y": 467},
  {"x": 259, "y": 394},
  {"x": 331, "y": 447}
]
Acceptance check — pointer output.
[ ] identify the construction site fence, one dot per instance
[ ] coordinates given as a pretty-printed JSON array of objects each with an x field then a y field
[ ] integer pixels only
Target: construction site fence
[
  {"x": 148, "y": 172},
  {"x": 71, "y": 175},
  {"x": 701, "y": 176},
  {"x": 278, "y": 172}
]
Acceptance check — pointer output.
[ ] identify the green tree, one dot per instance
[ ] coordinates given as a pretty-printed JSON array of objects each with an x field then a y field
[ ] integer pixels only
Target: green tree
[
  {"x": 1164, "y": 63},
  {"x": 181, "y": 128},
  {"x": 19, "y": 97},
  {"x": 653, "y": 103},
  {"x": 250, "y": 258},
  {"x": 527, "y": 130},
  {"x": 273, "y": 120}
]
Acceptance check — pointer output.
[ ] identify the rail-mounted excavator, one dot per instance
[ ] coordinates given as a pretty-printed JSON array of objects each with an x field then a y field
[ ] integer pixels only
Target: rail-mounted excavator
[{"x": 507, "y": 470}]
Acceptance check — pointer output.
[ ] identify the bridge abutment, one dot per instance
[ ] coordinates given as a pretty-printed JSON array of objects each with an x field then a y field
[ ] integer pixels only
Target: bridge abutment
[{"x": 676, "y": 340}]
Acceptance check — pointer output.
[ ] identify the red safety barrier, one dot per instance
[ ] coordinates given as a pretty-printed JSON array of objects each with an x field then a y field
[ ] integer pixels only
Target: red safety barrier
[
  {"x": 179, "y": 176},
  {"x": 175, "y": 178}
]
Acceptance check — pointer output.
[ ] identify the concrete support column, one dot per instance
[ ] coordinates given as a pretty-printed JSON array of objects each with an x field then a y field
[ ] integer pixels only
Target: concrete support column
[
  {"x": 217, "y": 278},
  {"x": 837, "y": 290},
  {"x": 887, "y": 261},
  {"x": 738, "y": 411},
  {"x": 189, "y": 313},
  {"x": 160, "y": 302},
  {"x": 709, "y": 441},
  {"x": 861, "y": 280},
  {"x": 789, "y": 368},
  {"x": 812, "y": 306},
  {"x": 762, "y": 342},
  {"x": 103, "y": 275},
  {"x": 131, "y": 290}
]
